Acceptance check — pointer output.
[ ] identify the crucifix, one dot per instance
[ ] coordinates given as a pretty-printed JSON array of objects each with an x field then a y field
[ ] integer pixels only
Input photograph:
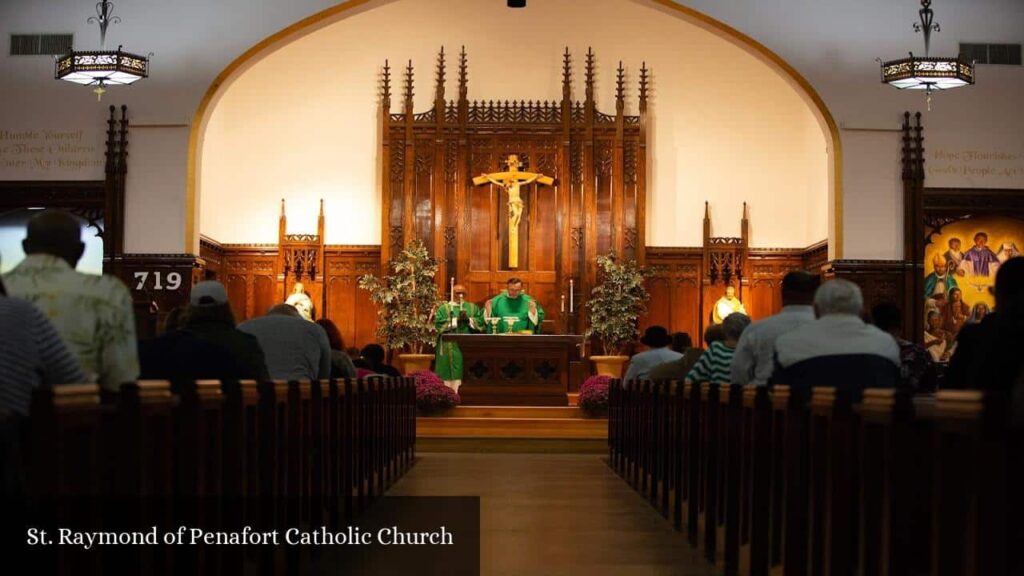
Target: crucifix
[{"x": 510, "y": 181}]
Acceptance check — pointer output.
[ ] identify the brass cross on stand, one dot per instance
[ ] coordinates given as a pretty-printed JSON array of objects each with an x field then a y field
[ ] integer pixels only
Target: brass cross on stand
[{"x": 510, "y": 181}]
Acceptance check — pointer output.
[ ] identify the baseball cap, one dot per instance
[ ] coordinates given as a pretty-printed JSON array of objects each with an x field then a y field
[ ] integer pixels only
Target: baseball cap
[{"x": 208, "y": 293}]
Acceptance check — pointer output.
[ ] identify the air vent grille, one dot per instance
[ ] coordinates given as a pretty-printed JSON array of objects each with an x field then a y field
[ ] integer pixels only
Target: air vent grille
[
  {"x": 40, "y": 44},
  {"x": 1009, "y": 54}
]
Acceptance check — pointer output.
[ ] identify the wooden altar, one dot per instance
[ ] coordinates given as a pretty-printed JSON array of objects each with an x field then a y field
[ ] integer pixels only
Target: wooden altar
[{"x": 521, "y": 370}]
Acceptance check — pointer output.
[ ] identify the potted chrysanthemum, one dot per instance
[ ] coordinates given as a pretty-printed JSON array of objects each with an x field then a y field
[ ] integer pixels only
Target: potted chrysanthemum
[{"x": 432, "y": 395}]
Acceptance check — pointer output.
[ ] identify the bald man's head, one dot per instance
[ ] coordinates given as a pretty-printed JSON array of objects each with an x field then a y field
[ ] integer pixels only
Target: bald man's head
[{"x": 56, "y": 233}]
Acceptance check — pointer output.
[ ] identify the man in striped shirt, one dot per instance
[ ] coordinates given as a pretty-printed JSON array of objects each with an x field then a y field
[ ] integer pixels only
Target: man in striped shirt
[
  {"x": 32, "y": 354},
  {"x": 715, "y": 364}
]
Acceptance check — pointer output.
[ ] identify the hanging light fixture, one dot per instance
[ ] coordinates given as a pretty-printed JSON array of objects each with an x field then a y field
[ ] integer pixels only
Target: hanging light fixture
[
  {"x": 101, "y": 68},
  {"x": 927, "y": 73}
]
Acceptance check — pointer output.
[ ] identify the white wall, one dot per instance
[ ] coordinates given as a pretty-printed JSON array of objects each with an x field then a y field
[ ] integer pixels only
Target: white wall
[
  {"x": 832, "y": 43},
  {"x": 315, "y": 135}
]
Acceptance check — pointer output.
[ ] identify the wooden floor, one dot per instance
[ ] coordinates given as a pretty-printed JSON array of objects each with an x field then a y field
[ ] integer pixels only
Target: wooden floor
[{"x": 556, "y": 514}]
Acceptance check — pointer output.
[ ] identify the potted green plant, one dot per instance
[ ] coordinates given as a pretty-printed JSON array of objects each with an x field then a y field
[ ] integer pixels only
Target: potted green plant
[
  {"x": 615, "y": 307},
  {"x": 405, "y": 298}
]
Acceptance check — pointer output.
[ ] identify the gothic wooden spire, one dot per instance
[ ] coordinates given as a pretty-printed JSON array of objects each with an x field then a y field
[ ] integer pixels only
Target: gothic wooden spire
[
  {"x": 620, "y": 76},
  {"x": 386, "y": 92},
  {"x": 566, "y": 75},
  {"x": 463, "y": 74},
  {"x": 408, "y": 88},
  {"x": 439, "y": 89},
  {"x": 643, "y": 87},
  {"x": 590, "y": 75}
]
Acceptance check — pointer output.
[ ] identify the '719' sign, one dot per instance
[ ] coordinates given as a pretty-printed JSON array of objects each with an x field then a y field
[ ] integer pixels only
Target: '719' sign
[{"x": 160, "y": 281}]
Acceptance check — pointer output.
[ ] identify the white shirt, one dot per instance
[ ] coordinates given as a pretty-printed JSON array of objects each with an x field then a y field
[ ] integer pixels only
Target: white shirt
[{"x": 754, "y": 359}]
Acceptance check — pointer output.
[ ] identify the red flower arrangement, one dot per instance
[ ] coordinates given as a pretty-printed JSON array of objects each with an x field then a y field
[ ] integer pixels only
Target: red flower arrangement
[
  {"x": 594, "y": 395},
  {"x": 432, "y": 396}
]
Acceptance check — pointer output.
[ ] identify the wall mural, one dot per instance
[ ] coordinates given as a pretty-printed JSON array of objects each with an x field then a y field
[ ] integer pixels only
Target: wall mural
[{"x": 960, "y": 270}]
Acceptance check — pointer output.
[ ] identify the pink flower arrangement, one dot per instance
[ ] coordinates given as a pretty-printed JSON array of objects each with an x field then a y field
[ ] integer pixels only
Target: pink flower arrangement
[
  {"x": 594, "y": 395},
  {"x": 432, "y": 395}
]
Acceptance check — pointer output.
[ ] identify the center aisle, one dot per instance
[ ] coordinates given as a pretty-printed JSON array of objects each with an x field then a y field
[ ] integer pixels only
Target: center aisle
[{"x": 556, "y": 514}]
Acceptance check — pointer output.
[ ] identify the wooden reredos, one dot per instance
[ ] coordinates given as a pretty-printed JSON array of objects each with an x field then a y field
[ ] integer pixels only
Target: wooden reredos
[{"x": 597, "y": 204}]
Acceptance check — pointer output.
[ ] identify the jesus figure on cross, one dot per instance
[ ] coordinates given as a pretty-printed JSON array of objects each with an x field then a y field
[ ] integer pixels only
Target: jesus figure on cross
[{"x": 510, "y": 181}]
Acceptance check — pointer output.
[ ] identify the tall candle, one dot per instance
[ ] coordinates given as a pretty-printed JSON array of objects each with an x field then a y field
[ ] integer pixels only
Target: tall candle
[
  {"x": 451, "y": 289},
  {"x": 571, "y": 297},
  {"x": 563, "y": 303}
]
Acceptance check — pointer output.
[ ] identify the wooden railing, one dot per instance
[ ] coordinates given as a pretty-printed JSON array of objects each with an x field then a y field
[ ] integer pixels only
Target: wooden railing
[
  {"x": 794, "y": 483},
  {"x": 216, "y": 456}
]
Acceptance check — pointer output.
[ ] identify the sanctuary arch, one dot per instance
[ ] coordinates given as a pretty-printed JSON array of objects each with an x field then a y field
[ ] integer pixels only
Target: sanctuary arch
[{"x": 706, "y": 115}]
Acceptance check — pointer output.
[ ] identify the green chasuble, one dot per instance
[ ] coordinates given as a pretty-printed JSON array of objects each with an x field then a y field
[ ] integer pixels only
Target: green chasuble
[
  {"x": 502, "y": 306},
  {"x": 448, "y": 357}
]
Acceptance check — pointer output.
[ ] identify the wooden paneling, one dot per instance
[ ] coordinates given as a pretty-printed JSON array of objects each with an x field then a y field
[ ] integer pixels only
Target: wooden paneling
[
  {"x": 596, "y": 203},
  {"x": 347, "y": 305},
  {"x": 879, "y": 280},
  {"x": 248, "y": 275},
  {"x": 482, "y": 219},
  {"x": 681, "y": 302},
  {"x": 158, "y": 283},
  {"x": 264, "y": 294}
]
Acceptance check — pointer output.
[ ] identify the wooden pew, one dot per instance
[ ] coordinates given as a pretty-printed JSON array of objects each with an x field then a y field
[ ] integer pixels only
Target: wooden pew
[
  {"x": 215, "y": 455},
  {"x": 973, "y": 449},
  {"x": 64, "y": 482}
]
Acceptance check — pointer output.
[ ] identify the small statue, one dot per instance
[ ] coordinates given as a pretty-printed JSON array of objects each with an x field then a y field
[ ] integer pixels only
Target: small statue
[{"x": 301, "y": 301}]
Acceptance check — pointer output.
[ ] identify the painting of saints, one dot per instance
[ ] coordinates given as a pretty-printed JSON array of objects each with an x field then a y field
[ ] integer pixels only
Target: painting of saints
[
  {"x": 940, "y": 281},
  {"x": 955, "y": 312},
  {"x": 954, "y": 257},
  {"x": 936, "y": 340},
  {"x": 1006, "y": 251},
  {"x": 980, "y": 255},
  {"x": 978, "y": 313}
]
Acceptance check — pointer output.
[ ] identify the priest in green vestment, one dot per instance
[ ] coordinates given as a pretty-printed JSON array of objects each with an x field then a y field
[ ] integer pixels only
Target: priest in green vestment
[
  {"x": 513, "y": 302},
  {"x": 454, "y": 317}
]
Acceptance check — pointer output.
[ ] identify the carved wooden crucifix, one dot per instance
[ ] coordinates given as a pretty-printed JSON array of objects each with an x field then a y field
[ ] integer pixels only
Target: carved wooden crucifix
[{"x": 510, "y": 181}]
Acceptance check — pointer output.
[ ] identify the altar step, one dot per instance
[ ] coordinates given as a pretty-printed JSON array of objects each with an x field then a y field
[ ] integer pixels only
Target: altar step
[{"x": 512, "y": 429}]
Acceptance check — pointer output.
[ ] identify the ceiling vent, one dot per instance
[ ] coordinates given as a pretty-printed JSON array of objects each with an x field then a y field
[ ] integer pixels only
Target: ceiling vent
[
  {"x": 40, "y": 44},
  {"x": 1007, "y": 54}
]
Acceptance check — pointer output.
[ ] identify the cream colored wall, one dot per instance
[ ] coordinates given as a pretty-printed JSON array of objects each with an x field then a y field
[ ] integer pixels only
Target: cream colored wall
[
  {"x": 874, "y": 215},
  {"x": 301, "y": 123},
  {"x": 155, "y": 185}
]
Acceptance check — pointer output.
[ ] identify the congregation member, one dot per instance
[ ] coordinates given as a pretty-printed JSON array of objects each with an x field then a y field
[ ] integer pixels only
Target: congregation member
[
  {"x": 838, "y": 348},
  {"x": 679, "y": 368},
  {"x": 988, "y": 354},
  {"x": 918, "y": 373},
  {"x": 209, "y": 318},
  {"x": 32, "y": 355},
  {"x": 341, "y": 363},
  {"x": 295, "y": 348},
  {"x": 715, "y": 365},
  {"x": 371, "y": 358},
  {"x": 179, "y": 355},
  {"x": 93, "y": 314},
  {"x": 754, "y": 359},
  {"x": 657, "y": 339}
]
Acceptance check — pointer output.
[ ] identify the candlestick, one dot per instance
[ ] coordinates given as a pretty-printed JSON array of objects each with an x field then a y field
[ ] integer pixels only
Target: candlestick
[
  {"x": 563, "y": 303},
  {"x": 571, "y": 297},
  {"x": 451, "y": 289}
]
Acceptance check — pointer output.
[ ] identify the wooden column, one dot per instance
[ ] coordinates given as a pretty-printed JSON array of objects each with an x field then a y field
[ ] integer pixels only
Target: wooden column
[
  {"x": 618, "y": 168},
  {"x": 385, "y": 164},
  {"x": 913, "y": 225},
  {"x": 409, "y": 174},
  {"x": 440, "y": 208}
]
